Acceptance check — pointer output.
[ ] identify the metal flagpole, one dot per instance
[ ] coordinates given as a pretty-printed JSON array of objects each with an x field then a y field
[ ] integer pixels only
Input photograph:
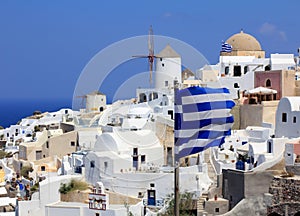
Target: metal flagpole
[{"x": 176, "y": 160}]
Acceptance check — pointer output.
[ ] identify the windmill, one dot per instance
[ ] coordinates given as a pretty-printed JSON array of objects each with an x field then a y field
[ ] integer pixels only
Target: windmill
[
  {"x": 151, "y": 55},
  {"x": 83, "y": 100}
]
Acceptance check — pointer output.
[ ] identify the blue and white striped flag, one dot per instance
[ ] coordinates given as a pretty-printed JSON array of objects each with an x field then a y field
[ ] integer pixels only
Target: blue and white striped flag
[
  {"x": 202, "y": 119},
  {"x": 226, "y": 47}
]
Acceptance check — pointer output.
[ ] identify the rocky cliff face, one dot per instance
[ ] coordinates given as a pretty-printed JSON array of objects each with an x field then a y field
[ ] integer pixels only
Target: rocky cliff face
[{"x": 286, "y": 195}]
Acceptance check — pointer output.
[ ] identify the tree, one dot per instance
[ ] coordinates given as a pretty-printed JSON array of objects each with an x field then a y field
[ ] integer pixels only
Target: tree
[
  {"x": 185, "y": 205},
  {"x": 25, "y": 171},
  {"x": 4, "y": 154}
]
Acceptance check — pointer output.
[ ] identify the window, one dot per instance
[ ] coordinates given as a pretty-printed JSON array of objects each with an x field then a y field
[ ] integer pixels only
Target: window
[
  {"x": 38, "y": 155},
  {"x": 143, "y": 159},
  {"x": 47, "y": 144},
  {"x": 152, "y": 185},
  {"x": 269, "y": 147},
  {"x": 170, "y": 113},
  {"x": 151, "y": 194},
  {"x": 246, "y": 69},
  {"x": 186, "y": 161},
  {"x": 92, "y": 164},
  {"x": 151, "y": 96},
  {"x": 236, "y": 85},
  {"x": 72, "y": 143},
  {"x": 226, "y": 70},
  {"x": 169, "y": 156},
  {"x": 101, "y": 109},
  {"x": 267, "y": 68},
  {"x": 294, "y": 119},
  {"x": 43, "y": 168},
  {"x": 140, "y": 195},
  {"x": 166, "y": 83},
  {"x": 135, "y": 151},
  {"x": 97, "y": 214},
  {"x": 284, "y": 117},
  {"x": 66, "y": 111},
  {"x": 143, "y": 98},
  {"x": 268, "y": 83},
  {"x": 163, "y": 64},
  {"x": 217, "y": 210},
  {"x": 237, "y": 71},
  {"x": 105, "y": 166}
]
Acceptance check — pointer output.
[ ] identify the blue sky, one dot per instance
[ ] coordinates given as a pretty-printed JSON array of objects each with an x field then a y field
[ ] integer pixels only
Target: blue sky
[{"x": 44, "y": 45}]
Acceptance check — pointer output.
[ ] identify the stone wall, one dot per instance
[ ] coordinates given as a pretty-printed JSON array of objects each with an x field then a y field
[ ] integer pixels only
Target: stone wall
[
  {"x": 217, "y": 207},
  {"x": 120, "y": 199},
  {"x": 286, "y": 195},
  {"x": 246, "y": 119},
  {"x": 76, "y": 196},
  {"x": 238, "y": 185},
  {"x": 235, "y": 111},
  {"x": 83, "y": 197}
]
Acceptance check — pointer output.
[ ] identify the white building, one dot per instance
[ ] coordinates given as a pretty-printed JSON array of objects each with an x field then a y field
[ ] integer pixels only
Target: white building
[
  {"x": 236, "y": 69},
  {"x": 95, "y": 102},
  {"x": 288, "y": 118}
]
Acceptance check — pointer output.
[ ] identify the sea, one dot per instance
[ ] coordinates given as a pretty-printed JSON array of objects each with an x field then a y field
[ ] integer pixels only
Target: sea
[{"x": 13, "y": 110}]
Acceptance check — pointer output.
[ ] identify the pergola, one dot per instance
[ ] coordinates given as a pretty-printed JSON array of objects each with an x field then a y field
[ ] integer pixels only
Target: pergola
[{"x": 261, "y": 94}]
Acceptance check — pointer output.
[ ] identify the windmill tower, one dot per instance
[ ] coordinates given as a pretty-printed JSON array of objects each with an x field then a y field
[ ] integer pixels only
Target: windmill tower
[
  {"x": 168, "y": 65},
  {"x": 168, "y": 68}
]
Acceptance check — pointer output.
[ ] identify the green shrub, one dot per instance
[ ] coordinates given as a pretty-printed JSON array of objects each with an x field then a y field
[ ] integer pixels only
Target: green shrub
[
  {"x": 72, "y": 186},
  {"x": 35, "y": 187}
]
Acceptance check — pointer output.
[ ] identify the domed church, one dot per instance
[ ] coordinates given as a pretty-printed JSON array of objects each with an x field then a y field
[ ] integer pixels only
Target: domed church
[{"x": 244, "y": 44}]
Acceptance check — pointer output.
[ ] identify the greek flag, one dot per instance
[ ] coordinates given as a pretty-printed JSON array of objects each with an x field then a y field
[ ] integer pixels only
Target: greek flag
[
  {"x": 226, "y": 47},
  {"x": 202, "y": 119}
]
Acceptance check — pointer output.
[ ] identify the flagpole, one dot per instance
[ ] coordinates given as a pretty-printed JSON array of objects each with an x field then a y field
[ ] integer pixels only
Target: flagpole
[{"x": 176, "y": 161}]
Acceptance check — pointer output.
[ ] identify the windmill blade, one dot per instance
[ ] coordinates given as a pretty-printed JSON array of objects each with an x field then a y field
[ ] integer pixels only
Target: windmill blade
[
  {"x": 151, "y": 55},
  {"x": 151, "y": 41},
  {"x": 151, "y": 70},
  {"x": 140, "y": 56}
]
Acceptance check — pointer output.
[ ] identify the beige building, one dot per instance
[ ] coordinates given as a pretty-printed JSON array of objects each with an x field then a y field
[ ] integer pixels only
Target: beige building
[
  {"x": 165, "y": 134},
  {"x": 48, "y": 146},
  {"x": 256, "y": 114},
  {"x": 60, "y": 145},
  {"x": 32, "y": 151},
  {"x": 244, "y": 45}
]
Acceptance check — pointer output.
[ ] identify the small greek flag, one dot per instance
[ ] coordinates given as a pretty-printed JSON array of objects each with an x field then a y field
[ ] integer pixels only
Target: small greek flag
[
  {"x": 202, "y": 119},
  {"x": 226, "y": 47}
]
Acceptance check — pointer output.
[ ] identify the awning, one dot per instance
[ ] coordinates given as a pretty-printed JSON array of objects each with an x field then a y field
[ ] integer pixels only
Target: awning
[{"x": 261, "y": 90}]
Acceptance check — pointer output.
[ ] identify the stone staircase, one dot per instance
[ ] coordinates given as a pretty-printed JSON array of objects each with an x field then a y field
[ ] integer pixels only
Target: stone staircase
[
  {"x": 200, "y": 204},
  {"x": 210, "y": 169},
  {"x": 213, "y": 176}
]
